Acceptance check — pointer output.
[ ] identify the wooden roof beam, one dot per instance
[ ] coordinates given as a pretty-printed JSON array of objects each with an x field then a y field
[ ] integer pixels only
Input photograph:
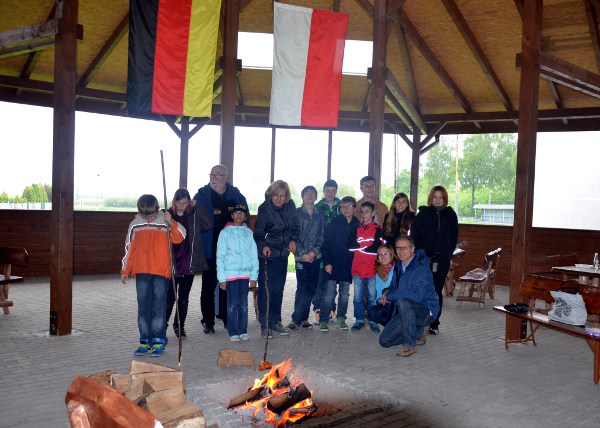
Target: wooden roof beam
[
  {"x": 33, "y": 57},
  {"x": 105, "y": 51},
  {"x": 433, "y": 61},
  {"x": 556, "y": 97},
  {"x": 366, "y": 5},
  {"x": 397, "y": 108},
  {"x": 400, "y": 133},
  {"x": 590, "y": 12},
  {"x": 394, "y": 87},
  {"x": 244, "y": 3},
  {"x": 425, "y": 146},
  {"x": 394, "y": 6},
  {"x": 478, "y": 53},
  {"x": 407, "y": 64}
]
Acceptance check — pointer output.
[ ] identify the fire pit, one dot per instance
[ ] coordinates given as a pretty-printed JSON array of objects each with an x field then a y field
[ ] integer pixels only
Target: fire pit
[{"x": 335, "y": 400}]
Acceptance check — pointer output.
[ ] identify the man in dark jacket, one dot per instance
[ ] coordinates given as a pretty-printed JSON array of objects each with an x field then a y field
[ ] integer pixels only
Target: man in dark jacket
[
  {"x": 416, "y": 302},
  {"x": 218, "y": 198},
  {"x": 337, "y": 260}
]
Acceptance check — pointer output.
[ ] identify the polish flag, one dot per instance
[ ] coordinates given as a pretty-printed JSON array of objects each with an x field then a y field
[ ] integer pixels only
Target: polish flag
[{"x": 307, "y": 66}]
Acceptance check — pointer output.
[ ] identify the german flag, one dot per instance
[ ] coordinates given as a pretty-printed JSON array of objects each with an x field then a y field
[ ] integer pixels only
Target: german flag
[{"x": 172, "y": 50}]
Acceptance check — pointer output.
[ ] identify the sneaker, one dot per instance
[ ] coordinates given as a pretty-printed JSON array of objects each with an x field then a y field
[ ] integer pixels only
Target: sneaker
[
  {"x": 279, "y": 329},
  {"x": 341, "y": 322},
  {"x": 176, "y": 330},
  {"x": 374, "y": 327},
  {"x": 244, "y": 336},
  {"x": 421, "y": 341},
  {"x": 158, "y": 347},
  {"x": 263, "y": 333},
  {"x": 234, "y": 338},
  {"x": 407, "y": 351},
  {"x": 143, "y": 348},
  {"x": 324, "y": 326},
  {"x": 358, "y": 326},
  {"x": 306, "y": 324},
  {"x": 208, "y": 329},
  {"x": 292, "y": 325},
  {"x": 434, "y": 331}
]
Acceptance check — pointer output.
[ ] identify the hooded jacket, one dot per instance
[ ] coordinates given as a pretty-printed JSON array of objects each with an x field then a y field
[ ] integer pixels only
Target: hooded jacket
[
  {"x": 146, "y": 246},
  {"x": 436, "y": 231},
  {"x": 415, "y": 283},
  {"x": 336, "y": 247},
  {"x": 367, "y": 239},
  {"x": 237, "y": 257},
  {"x": 275, "y": 227},
  {"x": 189, "y": 256},
  {"x": 310, "y": 233}
]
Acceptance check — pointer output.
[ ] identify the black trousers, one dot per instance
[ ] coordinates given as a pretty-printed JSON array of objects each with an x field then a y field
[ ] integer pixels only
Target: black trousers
[
  {"x": 439, "y": 278},
  {"x": 207, "y": 294}
]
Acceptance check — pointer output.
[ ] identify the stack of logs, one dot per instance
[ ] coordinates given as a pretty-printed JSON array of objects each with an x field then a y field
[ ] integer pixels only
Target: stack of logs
[{"x": 147, "y": 392}]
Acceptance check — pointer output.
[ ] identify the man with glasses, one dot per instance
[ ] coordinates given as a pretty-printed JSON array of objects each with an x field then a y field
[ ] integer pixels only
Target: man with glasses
[
  {"x": 368, "y": 187},
  {"x": 219, "y": 198},
  {"x": 416, "y": 302}
]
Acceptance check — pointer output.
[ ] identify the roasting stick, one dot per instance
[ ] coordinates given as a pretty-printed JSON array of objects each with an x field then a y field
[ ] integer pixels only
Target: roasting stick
[
  {"x": 162, "y": 164},
  {"x": 265, "y": 365}
]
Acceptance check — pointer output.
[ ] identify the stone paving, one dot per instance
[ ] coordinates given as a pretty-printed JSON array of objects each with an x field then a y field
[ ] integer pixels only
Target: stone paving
[{"x": 461, "y": 378}]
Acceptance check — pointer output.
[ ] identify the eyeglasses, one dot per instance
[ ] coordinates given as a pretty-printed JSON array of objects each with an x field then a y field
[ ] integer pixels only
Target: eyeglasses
[
  {"x": 218, "y": 175},
  {"x": 346, "y": 207},
  {"x": 403, "y": 248},
  {"x": 384, "y": 254}
]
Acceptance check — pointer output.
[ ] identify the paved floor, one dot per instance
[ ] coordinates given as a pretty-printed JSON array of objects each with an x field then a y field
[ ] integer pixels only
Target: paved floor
[{"x": 460, "y": 378}]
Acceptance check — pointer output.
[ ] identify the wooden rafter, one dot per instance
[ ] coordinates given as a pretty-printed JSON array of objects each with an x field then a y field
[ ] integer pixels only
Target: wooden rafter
[
  {"x": 590, "y": 12},
  {"x": 556, "y": 97},
  {"x": 394, "y": 87},
  {"x": 519, "y": 6},
  {"x": 478, "y": 53},
  {"x": 33, "y": 57},
  {"x": 335, "y": 7},
  {"x": 426, "y": 51},
  {"x": 394, "y": 6},
  {"x": 366, "y": 5},
  {"x": 397, "y": 108},
  {"x": 105, "y": 51},
  {"x": 426, "y": 144},
  {"x": 570, "y": 75},
  {"x": 407, "y": 65},
  {"x": 244, "y": 3},
  {"x": 400, "y": 133}
]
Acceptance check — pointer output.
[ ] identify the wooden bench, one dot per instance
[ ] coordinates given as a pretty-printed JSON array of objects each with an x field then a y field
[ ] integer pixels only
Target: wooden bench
[
  {"x": 479, "y": 281},
  {"x": 539, "y": 264},
  {"x": 535, "y": 287},
  {"x": 10, "y": 256}
]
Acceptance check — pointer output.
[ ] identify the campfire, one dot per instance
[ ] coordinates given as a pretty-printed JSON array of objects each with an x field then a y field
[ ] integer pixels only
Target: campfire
[{"x": 276, "y": 399}]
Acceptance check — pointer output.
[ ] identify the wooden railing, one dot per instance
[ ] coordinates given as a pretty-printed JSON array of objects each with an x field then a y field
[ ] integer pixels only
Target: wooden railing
[{"x": 100, "y": 238}]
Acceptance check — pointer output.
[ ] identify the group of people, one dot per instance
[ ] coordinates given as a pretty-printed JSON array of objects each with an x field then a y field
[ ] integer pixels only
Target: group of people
[{"x": 396, "y": 260}]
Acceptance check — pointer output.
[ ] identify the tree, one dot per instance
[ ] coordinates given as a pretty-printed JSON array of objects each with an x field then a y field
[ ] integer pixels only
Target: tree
[
  {"x": 35, "y": 193},
  {"x": 475, "y": 170},
  {"x": 440, "y": 167}
]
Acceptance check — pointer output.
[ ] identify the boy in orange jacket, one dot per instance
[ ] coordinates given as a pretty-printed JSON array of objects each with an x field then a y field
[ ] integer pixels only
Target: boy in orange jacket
[{"x": 147, "y": 259}]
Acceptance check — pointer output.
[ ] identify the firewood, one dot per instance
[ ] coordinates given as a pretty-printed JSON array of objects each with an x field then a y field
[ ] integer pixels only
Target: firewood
[
  {"x": 137, "y": 367},
  {"x": 248, "y": 396},
  {"x": 229, "y": 357},
  {"x": 94, "y": 404},
  {"x": 139, "y": 390},
  {"x": 282, "y": 402},
  {"x": 172, "y": 409},
  {"x": 160, "y": 381},
  {"x": 120, "y": 382},
  {"x": 103, "y": 377}
]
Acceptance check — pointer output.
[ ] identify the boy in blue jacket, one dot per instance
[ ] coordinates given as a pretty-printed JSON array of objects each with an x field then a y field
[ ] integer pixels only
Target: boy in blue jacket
[
  {"x": 337, "y": 260},
  {"x": 237, "y": 270}
]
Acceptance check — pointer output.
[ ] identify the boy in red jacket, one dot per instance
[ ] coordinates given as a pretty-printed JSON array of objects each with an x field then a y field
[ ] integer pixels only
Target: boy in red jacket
[
  {"x": 147, "y": 259},
  {"x": 369, "y": 236}
]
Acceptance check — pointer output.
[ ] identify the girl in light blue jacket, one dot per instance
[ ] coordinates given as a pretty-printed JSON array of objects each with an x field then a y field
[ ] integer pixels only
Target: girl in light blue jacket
[{"x": 237, "y": 271}]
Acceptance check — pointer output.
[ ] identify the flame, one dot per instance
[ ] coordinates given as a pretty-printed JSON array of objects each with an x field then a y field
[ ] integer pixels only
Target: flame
[{"x": 271, "y": 381}]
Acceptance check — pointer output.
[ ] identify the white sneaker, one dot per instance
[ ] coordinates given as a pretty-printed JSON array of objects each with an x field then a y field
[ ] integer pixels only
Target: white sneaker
[
  {"x": 244, "y": 336},
  {"x": 234, "y": 338}
]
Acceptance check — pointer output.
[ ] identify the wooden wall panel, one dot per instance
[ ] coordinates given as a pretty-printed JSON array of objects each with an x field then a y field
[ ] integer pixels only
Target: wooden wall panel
[{"x": 100, "y": 236}]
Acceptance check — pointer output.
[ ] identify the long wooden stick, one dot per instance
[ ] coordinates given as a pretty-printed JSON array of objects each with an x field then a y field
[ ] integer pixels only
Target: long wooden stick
[{"x": 162, "y": 164}]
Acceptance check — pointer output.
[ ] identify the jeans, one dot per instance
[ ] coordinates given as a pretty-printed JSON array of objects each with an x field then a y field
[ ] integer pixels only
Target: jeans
[
  {"x": 184, "y": 285},
  {"x": 318, "y": 297},
  {"x": 407, "y": 325},
  {"x": 439, "y": 278},
  {"x": 307, "y": 276},
  {"x": 152, "y": 301},
  {"x": 207, "y": 294},
  {"x": 329, "y": 300},
  {"x": 277, "y": 272},
  {"x": 237, "y": 307},
  {"x": 359, "y": 296}
]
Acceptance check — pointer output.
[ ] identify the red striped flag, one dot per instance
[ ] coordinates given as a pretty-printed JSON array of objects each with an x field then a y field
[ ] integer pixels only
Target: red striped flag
[
  {"x": 307, "y": 66},
  {"x": 172, "y": 50}
]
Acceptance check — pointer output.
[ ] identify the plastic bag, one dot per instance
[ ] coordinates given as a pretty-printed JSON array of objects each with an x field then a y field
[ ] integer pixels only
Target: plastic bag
[{"x": 568, "y": 308}]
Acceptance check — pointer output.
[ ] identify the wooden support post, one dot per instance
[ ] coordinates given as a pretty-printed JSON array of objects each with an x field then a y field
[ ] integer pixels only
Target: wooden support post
[
  {"x": 526, "y": 147},
  {"x": 183, "y": 154},
  {"x": 63, "y": 169},
  {"x": 377, "y": 89},
  {"x": 414, "y": 168},
  {"x": 228, "y": 96}
]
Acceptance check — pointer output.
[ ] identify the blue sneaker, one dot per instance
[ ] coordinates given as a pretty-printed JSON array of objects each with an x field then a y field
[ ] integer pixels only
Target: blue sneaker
[
  {"x": 158, "y": 347},
  {"x": 358, "y": 325},
  {"x": 374, "y": 327},
  {"x": 143, "y": 348}
]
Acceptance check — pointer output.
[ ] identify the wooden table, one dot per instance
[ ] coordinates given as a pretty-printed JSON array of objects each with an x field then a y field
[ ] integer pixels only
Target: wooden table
[{"x": 583, "y": 272}]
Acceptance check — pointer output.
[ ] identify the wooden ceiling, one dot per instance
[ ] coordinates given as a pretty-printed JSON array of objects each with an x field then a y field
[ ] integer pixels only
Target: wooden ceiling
[{"x": 454, "y": 61}]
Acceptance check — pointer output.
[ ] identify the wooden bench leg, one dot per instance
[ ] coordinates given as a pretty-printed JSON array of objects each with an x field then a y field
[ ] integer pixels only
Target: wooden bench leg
[
  {"x": 4, "y": 297},
  {"x": 595, "y": 347}
]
